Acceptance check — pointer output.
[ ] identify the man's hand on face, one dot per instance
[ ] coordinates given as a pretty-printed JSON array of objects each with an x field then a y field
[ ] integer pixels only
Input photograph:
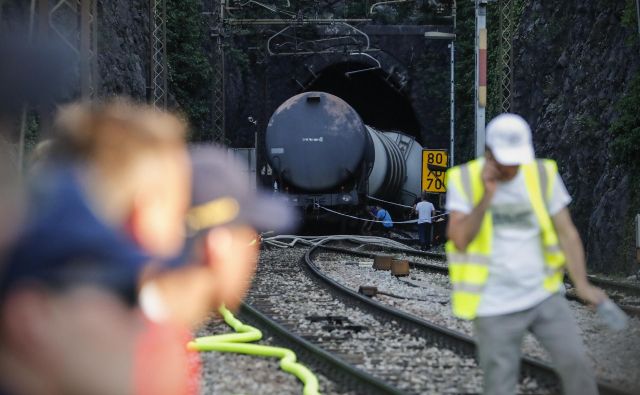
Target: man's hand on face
[{"x": 490, "y": 176}]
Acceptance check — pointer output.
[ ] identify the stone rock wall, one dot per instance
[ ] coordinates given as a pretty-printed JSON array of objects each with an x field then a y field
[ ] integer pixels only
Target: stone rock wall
[
  {"x": 124, "y": 50},
  {"x": 573, "y": 61},
  {"x": 123, "y": 41}
]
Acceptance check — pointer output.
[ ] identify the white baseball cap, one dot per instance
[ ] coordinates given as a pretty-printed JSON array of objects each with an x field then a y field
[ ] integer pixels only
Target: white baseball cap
[{"x": 509, "y": 138}]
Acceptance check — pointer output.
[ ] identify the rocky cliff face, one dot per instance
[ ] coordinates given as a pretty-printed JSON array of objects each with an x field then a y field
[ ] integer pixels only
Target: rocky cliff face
[
  {"x": 123, "y": 40},
  {"x": 124, "y": 50},
  {"x": 573, "y": 61}
]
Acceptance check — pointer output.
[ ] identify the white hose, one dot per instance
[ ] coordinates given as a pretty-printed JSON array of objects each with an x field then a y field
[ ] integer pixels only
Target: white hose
[{"x": 288, "y": 241}]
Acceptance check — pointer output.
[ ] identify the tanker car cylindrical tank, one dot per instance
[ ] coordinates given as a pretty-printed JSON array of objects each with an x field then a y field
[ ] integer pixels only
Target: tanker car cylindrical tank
[
  {"x": 316, "y": 142},
  {"x": 397, "y": 169}
]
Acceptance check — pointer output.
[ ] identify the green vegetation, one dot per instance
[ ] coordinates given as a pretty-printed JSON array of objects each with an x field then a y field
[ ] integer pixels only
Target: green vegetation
[
  {"x": 588, "y": 124},
  {"x": 465, "y": 77},
  {"x": 629, "y": 19},
  {"x": 238, "y": 58},
  {"x": 189, "y": 67}
]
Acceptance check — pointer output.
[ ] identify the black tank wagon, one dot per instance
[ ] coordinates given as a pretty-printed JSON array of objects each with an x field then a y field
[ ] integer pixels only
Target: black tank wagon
[{"x": 322, "y": 153}]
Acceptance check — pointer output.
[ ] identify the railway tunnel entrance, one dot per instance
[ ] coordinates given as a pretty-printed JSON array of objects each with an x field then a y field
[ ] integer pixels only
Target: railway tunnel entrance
[{"x": 371, "y": 94}]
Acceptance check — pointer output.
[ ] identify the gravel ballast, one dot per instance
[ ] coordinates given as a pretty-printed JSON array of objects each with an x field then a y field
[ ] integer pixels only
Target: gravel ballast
[
  {"x": 230, "y": 373},
  {"x": 283, "y": 291},
  {"x": 614, "y": 355}
]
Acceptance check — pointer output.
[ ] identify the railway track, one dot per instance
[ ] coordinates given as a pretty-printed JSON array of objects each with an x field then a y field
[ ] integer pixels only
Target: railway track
[
  {"x": 605, "y": 387},
  {"x": 410, "y": 355},
  {"x": 341, "y": 373},
  {"x": 626, "y": 295}
]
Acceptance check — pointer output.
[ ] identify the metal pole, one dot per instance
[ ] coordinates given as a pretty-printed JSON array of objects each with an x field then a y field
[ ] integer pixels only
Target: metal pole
[
  {"x": 165, "y": 66},
  {"x": 452, "y": 114},
  {"x": 481, "y": 74},
  {"x": 158, "y": 53},
  {"x": 452, "y": 93},
  {"x": 218, "y": 88}
]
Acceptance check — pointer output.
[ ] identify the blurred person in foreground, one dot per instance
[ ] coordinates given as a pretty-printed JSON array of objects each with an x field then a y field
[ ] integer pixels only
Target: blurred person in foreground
[
  {"x": 132, "y": 163},
  {"x": 223, "y": 221},
  {"x": 106, "y": 206},
  {"x": 69, "y": 320},
  {"x": 32, "y": 75},
  {"x": 11, "y": 197},
  {"x": 138, "y": 176},
  {"x": 510, "y": 238}
]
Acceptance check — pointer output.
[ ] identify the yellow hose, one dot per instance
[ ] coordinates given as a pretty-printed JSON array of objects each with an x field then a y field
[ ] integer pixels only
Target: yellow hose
[{"x": 236, "y": 343}]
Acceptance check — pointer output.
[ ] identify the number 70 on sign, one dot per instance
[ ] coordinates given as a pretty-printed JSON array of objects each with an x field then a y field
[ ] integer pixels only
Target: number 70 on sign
[{"x": 434, "y": 163}]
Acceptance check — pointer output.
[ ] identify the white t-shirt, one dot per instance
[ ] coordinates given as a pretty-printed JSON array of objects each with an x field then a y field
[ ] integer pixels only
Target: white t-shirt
[
  {"x": 516, "y": 271},
  {"x": 424, "y": 209}
]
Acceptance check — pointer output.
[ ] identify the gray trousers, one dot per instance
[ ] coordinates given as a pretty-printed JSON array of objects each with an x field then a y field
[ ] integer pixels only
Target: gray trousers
[{"x": 499, "y": 340}]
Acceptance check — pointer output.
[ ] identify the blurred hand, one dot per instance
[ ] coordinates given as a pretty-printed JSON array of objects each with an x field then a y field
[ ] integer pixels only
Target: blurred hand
[
  {"x": 232, "y": 254},
  {"x": 590, "y": 294},
  {"x": 187, "y": 294},
  {"x": 490, "y": 176}
]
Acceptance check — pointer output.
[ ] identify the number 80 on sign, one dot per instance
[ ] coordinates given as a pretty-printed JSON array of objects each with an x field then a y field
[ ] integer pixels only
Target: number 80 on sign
[{"x": 434, "y": 164}]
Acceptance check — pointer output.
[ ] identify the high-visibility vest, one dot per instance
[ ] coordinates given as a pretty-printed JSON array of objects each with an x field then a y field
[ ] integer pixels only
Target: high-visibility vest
[{"x": 469, "y": 269}]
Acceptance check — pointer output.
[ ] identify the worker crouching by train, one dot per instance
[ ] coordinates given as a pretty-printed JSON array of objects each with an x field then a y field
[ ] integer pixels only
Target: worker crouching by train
[
  {"x": 510, "y": 238},
  {"x": 382, "y": 220}
]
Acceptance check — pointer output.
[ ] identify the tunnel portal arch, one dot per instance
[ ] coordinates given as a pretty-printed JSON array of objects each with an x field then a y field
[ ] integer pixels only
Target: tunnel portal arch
[{"x": 371, "y": 92}]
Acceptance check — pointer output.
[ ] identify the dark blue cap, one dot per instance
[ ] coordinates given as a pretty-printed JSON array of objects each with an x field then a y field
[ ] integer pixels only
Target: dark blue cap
[
  {"x": 64, "y": 243},
  {"x": 222, "y": 195}
]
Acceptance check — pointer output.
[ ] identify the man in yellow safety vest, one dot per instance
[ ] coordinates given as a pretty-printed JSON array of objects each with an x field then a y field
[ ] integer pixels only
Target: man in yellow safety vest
[{"x": 510, "y": 238}]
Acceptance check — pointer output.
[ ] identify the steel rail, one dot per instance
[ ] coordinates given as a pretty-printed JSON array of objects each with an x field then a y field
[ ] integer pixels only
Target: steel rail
[
  {"x": 417, "y": 265},
  {"x": 334, "y": 368},
  {"x": 611, "y": 285},
  {"x": 627, "y": 288}
]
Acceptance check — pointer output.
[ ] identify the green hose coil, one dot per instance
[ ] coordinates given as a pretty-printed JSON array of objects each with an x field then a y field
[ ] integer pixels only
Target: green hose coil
[{"x": 237, "y": 343}]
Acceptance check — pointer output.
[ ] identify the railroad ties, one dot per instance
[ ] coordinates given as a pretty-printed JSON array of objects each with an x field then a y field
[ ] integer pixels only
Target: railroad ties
[
  {"x": 407, "y": 355},
  {"x": 429, "y": 279}
]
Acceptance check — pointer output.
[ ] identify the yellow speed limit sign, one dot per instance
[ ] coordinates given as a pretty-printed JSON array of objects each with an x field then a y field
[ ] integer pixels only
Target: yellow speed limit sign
[{"x": 434, "y": 166}]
